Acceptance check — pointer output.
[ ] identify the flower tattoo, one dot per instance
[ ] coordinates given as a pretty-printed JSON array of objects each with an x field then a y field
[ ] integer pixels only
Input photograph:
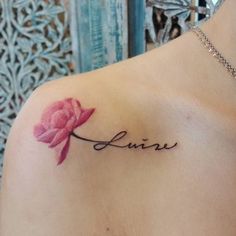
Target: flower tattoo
[{"x": 58, "y": 122}]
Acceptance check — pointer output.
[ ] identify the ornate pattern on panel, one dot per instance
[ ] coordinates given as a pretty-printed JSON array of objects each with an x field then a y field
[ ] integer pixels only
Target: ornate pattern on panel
[
  {"x": 167, "y": 19},
  {"x": 35, "y": 46}
]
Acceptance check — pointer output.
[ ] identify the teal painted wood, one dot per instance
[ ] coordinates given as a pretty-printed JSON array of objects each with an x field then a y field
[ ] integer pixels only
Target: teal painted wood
[
  {"x": 136, "y": 19},
  {"x": 99, "y": 33},
  {"x": 34, "y": 47}
]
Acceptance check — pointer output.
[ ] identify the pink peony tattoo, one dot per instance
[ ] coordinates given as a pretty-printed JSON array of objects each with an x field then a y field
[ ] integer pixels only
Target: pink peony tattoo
[{"x": 58, "y": 122}]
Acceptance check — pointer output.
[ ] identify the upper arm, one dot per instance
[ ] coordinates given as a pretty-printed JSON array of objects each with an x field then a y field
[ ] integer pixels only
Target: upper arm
[
  {"x": 40, "y": 197},
  {"x": 37, "y": 193}
]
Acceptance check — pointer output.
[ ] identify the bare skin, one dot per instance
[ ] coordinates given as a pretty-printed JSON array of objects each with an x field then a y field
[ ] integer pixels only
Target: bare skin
[{"x": 160, "y": 95}]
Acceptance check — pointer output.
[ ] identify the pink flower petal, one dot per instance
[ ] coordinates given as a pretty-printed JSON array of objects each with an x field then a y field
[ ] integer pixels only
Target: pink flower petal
[
  {"x": 58, "y": 119},
  {"x": 68, "y": 104},
  {"x": 38, "y": 130},
  {"x": 72, "y": 100},
  {"x": 63, "y": 151},
  {"x": 59, "y": 137},
  {"x": 47, "y": 136},
  {"x": 71, "y": 123},
  {"x": 68, "y": 100},
  {"x": 86, "y": 113},
  {"x": 68, "y": 113},
  {"x": 47, "y": 114},
  {"x": 76, "y": 108}
]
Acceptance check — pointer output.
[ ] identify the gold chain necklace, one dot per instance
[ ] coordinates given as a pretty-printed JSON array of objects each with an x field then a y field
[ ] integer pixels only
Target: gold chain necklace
[{"x": 214, "y": 52}]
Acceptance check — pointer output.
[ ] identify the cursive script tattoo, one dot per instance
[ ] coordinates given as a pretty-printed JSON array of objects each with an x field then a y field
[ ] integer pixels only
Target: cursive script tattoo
[{"x": 100, "y": 145}]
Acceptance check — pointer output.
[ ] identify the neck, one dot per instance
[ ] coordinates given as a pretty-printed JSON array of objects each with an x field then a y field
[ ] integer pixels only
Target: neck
[{"x": 221, "y": 29}]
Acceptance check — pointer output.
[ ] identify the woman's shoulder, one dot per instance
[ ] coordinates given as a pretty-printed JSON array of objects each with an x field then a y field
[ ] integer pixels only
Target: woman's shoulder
[
  {"x": 51, "y": 158},
  {"x": 97, "y": 104},
  {"x": 42, "y": 159}
]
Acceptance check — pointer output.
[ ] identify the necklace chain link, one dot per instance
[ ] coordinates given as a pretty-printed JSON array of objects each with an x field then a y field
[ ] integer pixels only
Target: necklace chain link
[{"x": 214, "y": 52}]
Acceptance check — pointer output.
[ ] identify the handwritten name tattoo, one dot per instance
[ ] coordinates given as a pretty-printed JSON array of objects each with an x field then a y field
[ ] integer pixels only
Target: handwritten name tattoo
[
  {"x": 61, "y": 118},
  {"x": 100, "y": 145}
]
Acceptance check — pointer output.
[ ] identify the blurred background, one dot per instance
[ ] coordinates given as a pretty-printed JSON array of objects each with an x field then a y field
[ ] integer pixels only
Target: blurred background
[{"x": 42, "y": 40}]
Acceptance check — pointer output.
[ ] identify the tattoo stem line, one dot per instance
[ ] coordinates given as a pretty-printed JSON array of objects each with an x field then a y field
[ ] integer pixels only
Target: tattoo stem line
[{"x": 103, "y": 144}]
